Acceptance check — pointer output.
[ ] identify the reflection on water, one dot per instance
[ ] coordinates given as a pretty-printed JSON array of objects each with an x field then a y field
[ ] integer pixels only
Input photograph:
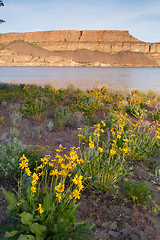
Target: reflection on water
[{"x": 84, "y": 77}]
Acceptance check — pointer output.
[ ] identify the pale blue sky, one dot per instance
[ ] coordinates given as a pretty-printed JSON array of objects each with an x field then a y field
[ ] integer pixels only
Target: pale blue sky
[{"x": 140, "y": 17}]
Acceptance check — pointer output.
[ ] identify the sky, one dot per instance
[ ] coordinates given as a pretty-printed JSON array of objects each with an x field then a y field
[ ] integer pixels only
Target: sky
[{"x": 140, "y": 17}]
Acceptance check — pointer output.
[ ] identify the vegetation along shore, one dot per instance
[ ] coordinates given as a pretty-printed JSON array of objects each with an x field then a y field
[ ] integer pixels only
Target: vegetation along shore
[{"x": 79, "y": 164}]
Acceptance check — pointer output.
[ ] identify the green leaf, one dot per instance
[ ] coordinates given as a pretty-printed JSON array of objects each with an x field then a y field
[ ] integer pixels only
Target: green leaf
[
  {"x": 48, "y": 205},
  {"x": 28, "y": 192},
  {"x": 11, "y": 199},
  {"x": 26, "y": 218},
  {"x": 26, "y": 237},
  {"x": 39, "y": 230},
  {"x": 11, "y": 234}
]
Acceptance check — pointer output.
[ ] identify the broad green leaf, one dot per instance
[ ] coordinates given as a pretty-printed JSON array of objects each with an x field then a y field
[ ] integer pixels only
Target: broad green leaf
[
  {"x": 39, "y": 230},
  {"x": 11, "y": 234},
  {"x": 26, "y": 237},
  {"x": 11, "y": 200},
  {"x": 48, "y": 205},
  {"x": 26, "y": 218}
]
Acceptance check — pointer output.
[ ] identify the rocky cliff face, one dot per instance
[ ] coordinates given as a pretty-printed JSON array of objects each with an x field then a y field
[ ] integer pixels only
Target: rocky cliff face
[
  {"x": 70, "y": 36},
  {"x": 61, "y": 48}
]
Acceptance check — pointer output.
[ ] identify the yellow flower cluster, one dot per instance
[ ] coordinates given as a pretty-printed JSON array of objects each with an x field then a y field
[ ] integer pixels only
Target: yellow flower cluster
[
  {"x": 60, "y": 167},
  {"x": 26, "y": 87},
  {"x": 98, "y": 130},
  {"x": 91, "y": 143},
  {"x": 77, "y": 180},
  {"x": 24, "y": 165},
  {"x": 57, "y": 169}
]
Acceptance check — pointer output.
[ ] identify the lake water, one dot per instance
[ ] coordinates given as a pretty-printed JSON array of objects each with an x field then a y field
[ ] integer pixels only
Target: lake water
[{"x": 84, "y": 77}]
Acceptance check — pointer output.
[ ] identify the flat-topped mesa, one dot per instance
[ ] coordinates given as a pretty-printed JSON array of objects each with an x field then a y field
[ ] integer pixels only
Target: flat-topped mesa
[
  {"x": 69, "y": 36},
  {"x": 107, "y": 36}
]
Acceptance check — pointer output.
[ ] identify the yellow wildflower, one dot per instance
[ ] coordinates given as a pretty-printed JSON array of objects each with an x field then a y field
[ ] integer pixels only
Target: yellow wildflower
[
  {"x": 91, "y": 143},
  {"x": 33, "y": 189},
  {"x": 97, "y": 125},
  {"x": 119, "y": 136},
  {"x": 103, "y": 123},
  {"x": 51, "y": 164},
  {"x": 125, "y": 140},
  {"x": 96, "y": 133},
  {"x": 100, "y": 149},
  {"x": 61, "y": 147},
  {"x": 28, "y": 172},
  {"x": 81, "y": 136},
  {"x": 76, "y": 194},
  {"x": 41, "y": 173},
  {"x": 60, "y": 158},
  {"x": 34, "y": 182},
  {"x": 62, "y": 173},
  {"x": 39, "y": 167},
  {"x": 77, "y": 179},
  {"x": 63, "y": 166},
  {"x": 80, "y": 160},
  {"x": 112, "y": 151},
  {"x": 125, "y": 150},
  {"x": 40, "y": 209},
  {"x": 80, "y": 186},
  {"x": 23, "y": 165},
  {"x": 59, "y": 188},
  {"x": 35, "y": 177},
  {"x": 70, "y": 196},
  {"x": 54, "y": 172},
  {"x": 23, "y": 159},
  {"x": 58, "y": 195},
  {"x": 158, "y": 136},
  {"x": 58, "y": 150},
  {"x": 44, "y": 160}
]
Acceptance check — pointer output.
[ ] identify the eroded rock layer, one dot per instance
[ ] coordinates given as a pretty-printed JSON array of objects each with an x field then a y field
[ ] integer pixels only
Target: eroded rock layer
[{"x": 69, "y": 48}]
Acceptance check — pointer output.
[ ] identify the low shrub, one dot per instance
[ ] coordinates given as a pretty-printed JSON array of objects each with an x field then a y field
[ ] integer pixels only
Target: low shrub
[
  {"x": 9, "y": 156},
  {"x": 102, "y": 164},
  {"x": 47, "y": 208},
  {"x": 137, "y": 192}
]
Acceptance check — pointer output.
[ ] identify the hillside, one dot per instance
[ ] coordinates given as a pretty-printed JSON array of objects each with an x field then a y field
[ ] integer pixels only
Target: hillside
[{"x": 77, "y": 48}]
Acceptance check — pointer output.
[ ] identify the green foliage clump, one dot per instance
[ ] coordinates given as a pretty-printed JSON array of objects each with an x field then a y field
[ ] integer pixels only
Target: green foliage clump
[
  {"x": 137, "y": 192},
  {"x": 102, "y": 165},
  {"x": 63, "y": 117},
  {"x": 136, "y": 111},
  {"x": 137, "y": 140},
  {"x": 155, "y": 114},
  {"x": 37, "y": 100},
  {"x": 9, "y": 156}
]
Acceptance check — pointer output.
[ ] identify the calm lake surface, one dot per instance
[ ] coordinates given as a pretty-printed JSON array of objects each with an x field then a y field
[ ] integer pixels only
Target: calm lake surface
[{"x": 84, "y": 77}]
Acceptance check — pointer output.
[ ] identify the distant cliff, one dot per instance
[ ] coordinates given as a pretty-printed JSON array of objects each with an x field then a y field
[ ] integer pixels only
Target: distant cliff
[{"x": 77, "y": 48}]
